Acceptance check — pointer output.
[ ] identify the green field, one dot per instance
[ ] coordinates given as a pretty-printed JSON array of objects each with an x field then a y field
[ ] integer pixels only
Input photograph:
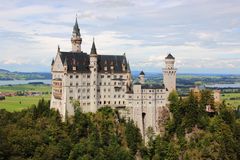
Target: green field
[
  {"x": 18, "y": 103},
  {"x": 26, "y": 87},
  {"x": 227, "y": 96}
]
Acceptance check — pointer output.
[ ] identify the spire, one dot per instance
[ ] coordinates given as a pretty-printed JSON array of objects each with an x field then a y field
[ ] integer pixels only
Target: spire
[
  {"x": 76, "y": 38},
  {"x": 169, "y": 56},
  {"x": 93, "y": 50},
  {"x": 52, "y": 61},
  {"x": 142, "y": 73},
  {"x": 76, "y": 28},
  {"x": 58, "y": 50}
]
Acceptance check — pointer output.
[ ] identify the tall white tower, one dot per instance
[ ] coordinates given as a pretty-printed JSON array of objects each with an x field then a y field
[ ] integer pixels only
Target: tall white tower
[
  {"x": 76, "y": 38},
  {"x": 169, "y": 73},
  {"x": 93, "y": 78}
]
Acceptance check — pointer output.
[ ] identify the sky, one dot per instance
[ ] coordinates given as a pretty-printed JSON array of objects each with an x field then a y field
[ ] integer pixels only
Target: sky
[{"x": 203, "y": 36}]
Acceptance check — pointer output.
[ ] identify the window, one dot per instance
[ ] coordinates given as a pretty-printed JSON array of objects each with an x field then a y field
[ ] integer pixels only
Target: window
[
  {"x": 79, "y": 90},
  {"x": 88, "y": 76},
  {"x": 76, "y": 76},
  {"x": 102, "y": 76},
  {"x": 71, "y": 84},
  {"x": 71, "y": 76},
  {"x": 76, "y": 84}
]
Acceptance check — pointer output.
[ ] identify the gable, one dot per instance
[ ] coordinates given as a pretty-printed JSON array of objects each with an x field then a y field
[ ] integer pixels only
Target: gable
[{"x": 58, "y": 65}]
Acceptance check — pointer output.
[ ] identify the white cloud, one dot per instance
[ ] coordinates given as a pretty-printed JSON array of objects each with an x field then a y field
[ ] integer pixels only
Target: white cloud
[{"x": 145, "y": 30}]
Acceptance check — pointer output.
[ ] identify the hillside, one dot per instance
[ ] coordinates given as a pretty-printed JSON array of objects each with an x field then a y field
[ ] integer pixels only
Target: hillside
[
  {"x": 8, "y": 75},
  {"x": 38, "y": 133}
]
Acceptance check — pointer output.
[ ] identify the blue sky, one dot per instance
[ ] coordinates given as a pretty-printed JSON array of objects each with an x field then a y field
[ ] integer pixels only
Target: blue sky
[{"x": 204, "y": 36}]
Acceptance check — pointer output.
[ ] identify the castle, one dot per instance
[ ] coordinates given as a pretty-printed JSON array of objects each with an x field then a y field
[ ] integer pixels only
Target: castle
[{"x": 96, "y": 80}]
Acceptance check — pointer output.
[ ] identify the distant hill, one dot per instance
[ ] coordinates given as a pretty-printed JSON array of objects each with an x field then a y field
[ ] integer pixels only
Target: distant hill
[{"x": 8, "y": 75}]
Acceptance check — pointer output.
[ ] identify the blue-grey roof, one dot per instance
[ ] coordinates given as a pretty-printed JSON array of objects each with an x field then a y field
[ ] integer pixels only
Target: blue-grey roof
[
  {"x": 169, "y": 56},
  {"x": 82, "y": 60},
  {"x": 142, "y": 73},
  {"x": 76, "y": 28},
  {"x": 152, "y": 86}
]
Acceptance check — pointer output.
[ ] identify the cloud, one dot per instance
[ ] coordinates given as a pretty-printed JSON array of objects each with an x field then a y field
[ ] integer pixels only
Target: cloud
[{"x": 200, "y": 34}]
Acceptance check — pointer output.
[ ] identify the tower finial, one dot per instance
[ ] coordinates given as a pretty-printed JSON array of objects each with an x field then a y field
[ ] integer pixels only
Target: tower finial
[{"x": 58, "y": 49}]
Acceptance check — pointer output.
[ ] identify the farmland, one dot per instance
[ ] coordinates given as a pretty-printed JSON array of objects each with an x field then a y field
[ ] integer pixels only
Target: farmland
[{"x": 17, "y": 103}]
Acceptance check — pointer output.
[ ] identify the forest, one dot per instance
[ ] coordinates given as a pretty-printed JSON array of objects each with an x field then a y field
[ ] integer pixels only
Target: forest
[{"x": 38, "y": 133}]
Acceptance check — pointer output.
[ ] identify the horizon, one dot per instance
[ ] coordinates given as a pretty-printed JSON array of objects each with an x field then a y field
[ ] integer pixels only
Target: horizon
[
  {"x": 135, "y": 72},
  {"x": 205, "y": 41}
]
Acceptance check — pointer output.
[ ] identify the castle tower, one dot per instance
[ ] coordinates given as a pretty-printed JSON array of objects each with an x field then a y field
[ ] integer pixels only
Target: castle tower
[
  {"x": 93, "y": 78},
  {"x": 169, "y": 74},
  {"x": 76, "y": 38},
  {"x": 141, "y": 77}
]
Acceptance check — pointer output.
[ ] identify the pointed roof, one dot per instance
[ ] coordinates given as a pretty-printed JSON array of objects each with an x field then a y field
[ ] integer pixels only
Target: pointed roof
[
  {"x": 58, "y": 50},
  {"x": 76, "y": 28},
  {"x": 142, "y": 73},
  {"x": 169, "y": 56},
  {"x": 93, "y": 50},
  {"x": 52, "y": 61}
]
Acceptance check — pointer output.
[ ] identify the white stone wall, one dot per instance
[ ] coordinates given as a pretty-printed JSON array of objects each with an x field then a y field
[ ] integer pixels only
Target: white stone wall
[
  {"x": 94, "y": 90},
  {"x": 144, "y": 106}
]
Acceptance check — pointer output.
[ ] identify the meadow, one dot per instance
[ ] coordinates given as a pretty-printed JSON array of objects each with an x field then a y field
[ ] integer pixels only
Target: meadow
[
  {"x": 17, "y": 103},
  {"x": 231, "y": 99}
]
